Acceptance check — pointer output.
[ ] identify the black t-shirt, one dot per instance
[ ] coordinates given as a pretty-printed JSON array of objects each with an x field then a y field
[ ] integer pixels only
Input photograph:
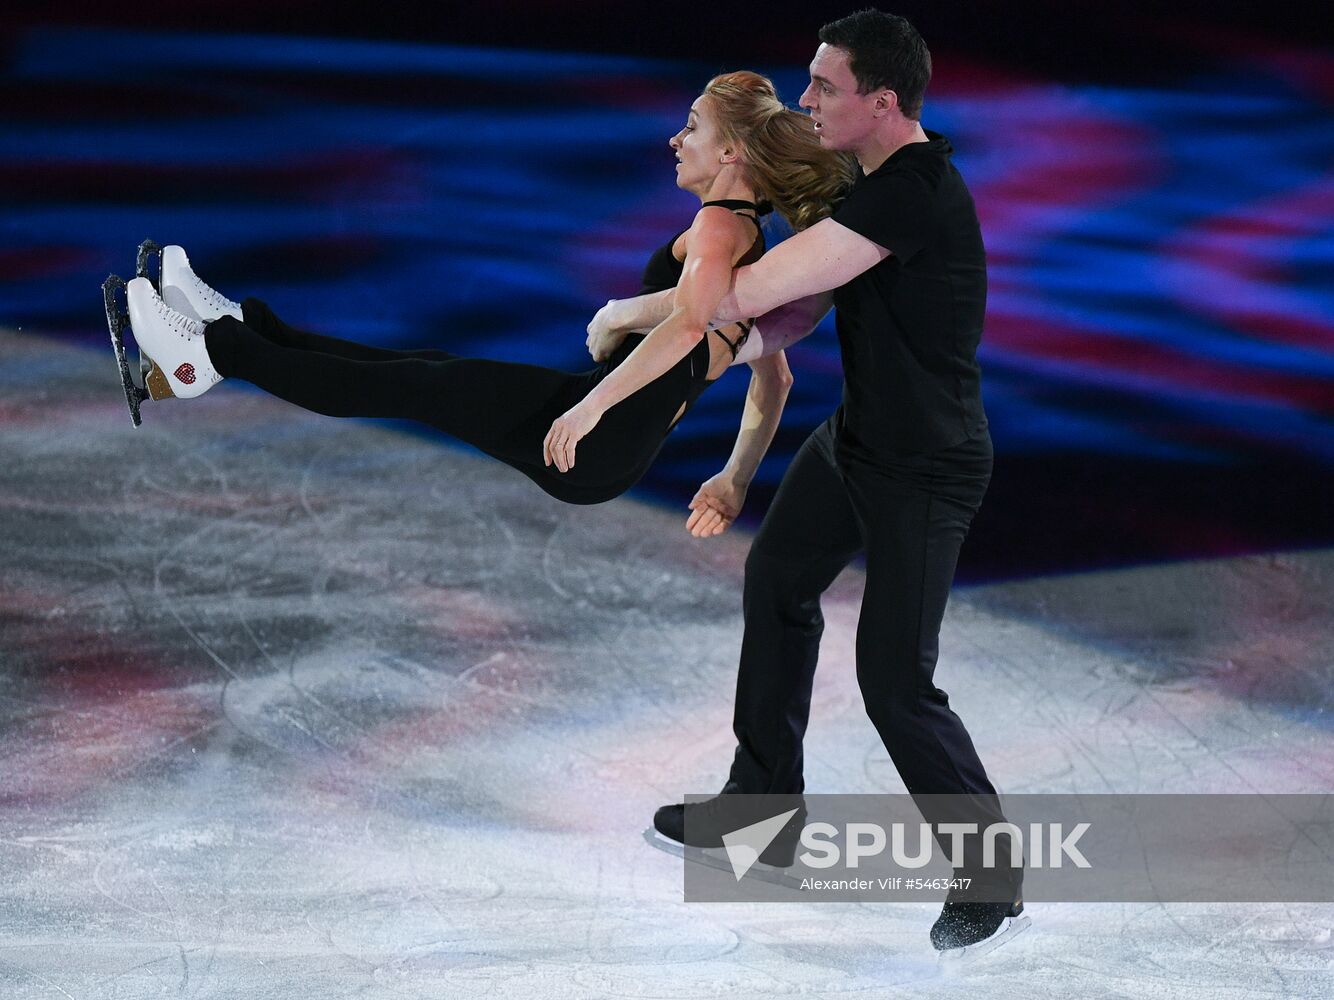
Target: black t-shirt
[{"x": 909, "y": 327}]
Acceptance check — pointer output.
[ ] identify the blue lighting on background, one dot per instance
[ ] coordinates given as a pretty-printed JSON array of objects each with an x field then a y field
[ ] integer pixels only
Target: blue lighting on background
[{"x": 1160, "y": 299}]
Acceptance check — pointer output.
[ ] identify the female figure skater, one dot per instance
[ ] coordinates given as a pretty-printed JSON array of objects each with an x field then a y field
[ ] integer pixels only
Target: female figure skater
[{"x": 739, "y": 147}]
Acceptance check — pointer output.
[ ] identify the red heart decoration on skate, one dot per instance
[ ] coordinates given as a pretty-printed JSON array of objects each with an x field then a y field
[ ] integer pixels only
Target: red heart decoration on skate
[{"x": 186, "y": 374}]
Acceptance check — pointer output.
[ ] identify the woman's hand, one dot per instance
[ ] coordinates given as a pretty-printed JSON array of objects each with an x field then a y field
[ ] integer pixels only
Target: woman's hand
[
  {"x": 603, "y": 337},
  {"x": 715, "y": 506},
  {"x": 566, "y": 432}
]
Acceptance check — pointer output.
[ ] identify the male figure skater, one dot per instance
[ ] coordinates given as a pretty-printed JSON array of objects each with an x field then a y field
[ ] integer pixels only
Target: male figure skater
[{"x": 899, "y": 469}]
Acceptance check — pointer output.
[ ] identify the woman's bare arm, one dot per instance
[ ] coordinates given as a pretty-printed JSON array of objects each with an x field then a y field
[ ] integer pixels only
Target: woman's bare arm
[
  {"x": 719, "y": 500},
  {"x": 711, "y": 250}
]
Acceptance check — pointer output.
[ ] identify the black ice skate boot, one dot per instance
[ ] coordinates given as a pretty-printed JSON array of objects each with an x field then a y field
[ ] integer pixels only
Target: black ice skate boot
[
  {"x": 703, "y": 824},
  {"x": 735, "y": 823},
  {"x": 972, "y": 924}
]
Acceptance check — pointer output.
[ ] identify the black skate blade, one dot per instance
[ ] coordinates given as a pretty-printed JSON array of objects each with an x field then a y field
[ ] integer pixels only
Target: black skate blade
[
  {"x": 146, "y": 250},
  {"x": 1010, "y": 928},
  {"x": 717, "y": 859},
  {"x": 117, "y": 320}
]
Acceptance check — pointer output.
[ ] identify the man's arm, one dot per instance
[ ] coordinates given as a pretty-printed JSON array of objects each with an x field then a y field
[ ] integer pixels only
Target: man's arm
[
  {"x": 818, "y": 259},
  {"x": 793, "y": 320},
  {"x": 622, "y": 316}
]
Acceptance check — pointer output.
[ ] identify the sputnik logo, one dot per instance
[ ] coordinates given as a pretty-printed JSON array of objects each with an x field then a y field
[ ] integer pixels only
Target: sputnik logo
[{"x": 745, "y": 846}]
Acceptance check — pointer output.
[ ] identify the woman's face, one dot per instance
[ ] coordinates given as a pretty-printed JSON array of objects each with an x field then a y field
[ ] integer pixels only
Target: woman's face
[{"x": 700, "y": 150}]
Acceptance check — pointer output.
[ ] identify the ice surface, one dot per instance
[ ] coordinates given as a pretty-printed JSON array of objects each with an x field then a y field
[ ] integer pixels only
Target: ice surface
[{"x": 301, "y": 707}]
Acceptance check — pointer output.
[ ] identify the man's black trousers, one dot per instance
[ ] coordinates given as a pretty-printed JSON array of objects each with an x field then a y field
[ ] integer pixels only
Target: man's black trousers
[{"x": 909, "y": 516}]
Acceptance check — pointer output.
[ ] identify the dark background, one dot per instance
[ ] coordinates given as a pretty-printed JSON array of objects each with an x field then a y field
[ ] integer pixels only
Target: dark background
[
  {"x": 1154, "y": 180},
  {"x": 1120, "y": 42}
]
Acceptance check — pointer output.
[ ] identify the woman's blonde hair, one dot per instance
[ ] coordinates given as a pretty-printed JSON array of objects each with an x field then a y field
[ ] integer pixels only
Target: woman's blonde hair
[{"x": 779, "y": 149}]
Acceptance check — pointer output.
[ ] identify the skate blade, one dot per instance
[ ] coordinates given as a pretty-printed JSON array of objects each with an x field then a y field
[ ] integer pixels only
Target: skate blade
[
  {"x": 146, "y": 250},
  {"x": 117, "y": 321},
  {"x": 149, "y": 374},
  {"x": 717, "y": 859},
  {"x": 1008, "y": 930}
]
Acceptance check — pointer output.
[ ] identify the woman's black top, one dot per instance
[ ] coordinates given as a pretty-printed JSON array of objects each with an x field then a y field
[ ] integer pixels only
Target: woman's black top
[{"x": 663, "y": 270}]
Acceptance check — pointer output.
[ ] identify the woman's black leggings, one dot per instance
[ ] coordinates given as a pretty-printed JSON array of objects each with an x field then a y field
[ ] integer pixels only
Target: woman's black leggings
[{"x": 502, "y": 408}]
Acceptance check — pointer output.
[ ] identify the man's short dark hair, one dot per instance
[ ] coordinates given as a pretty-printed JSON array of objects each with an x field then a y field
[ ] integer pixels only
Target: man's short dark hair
[{"x": 885, "y": 52}]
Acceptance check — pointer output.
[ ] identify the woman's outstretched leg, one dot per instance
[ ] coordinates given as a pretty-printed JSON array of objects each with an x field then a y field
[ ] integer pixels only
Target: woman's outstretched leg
[
  {"x": 259, "y": 317},
  {"x": 505, "y": 409},
  {"x": 186, "y": 293}
]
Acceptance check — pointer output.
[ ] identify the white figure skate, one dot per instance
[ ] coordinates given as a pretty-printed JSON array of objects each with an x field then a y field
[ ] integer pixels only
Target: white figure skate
[
  {"x": 184, "y": 292},
  {"x": 172, "y": 342}
]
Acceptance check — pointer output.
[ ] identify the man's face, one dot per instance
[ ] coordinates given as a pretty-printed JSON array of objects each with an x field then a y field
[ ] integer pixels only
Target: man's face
[{"x": 843, "y": 117}]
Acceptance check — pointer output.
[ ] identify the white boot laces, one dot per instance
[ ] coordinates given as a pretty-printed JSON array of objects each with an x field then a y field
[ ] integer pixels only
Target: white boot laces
[
  {"x": 179, "y": 322},
  {"x": 211, "y": 295}
]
